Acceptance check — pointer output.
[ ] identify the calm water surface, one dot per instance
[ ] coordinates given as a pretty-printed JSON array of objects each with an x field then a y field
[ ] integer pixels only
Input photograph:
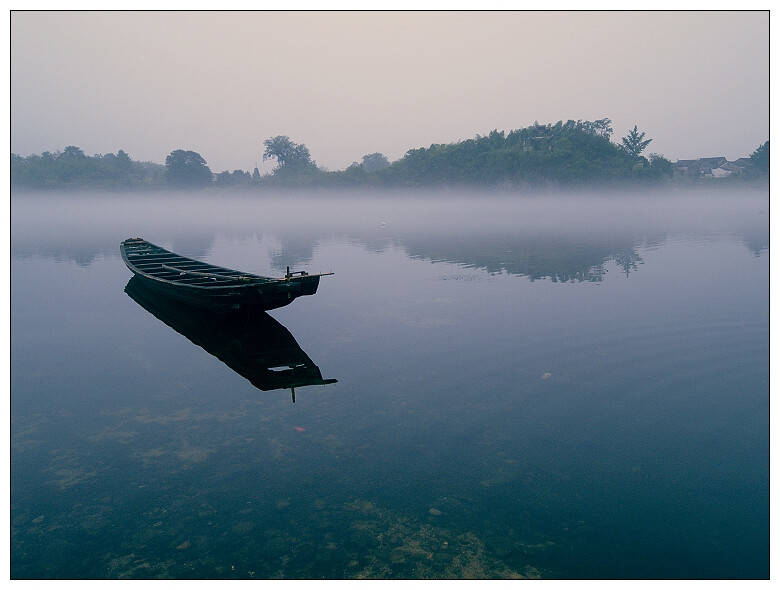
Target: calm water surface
[{"x": 526, "y": 387}]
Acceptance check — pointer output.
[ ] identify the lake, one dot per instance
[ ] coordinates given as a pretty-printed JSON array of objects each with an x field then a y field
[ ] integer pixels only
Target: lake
[{"x": 548, "y": 386}]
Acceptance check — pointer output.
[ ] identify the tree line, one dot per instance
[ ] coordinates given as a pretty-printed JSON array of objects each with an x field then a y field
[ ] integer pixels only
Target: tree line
[{"x": 574, "y": 153}]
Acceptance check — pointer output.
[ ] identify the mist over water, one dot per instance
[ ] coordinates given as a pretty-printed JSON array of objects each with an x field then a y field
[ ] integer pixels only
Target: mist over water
[
  {"x": 90, "y": 224},
  {"x": 555, "y": 386}
]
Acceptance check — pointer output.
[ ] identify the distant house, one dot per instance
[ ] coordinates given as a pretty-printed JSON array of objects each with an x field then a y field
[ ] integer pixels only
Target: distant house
[
  {"x": 740, "y": 166},
  {"x": 707, "y": 165},
  {"x": 717, "y": 167},
  {"x": 719, "y": 173},
  {"x": 538, "y": 140},
  {"x": 683, "y": 167}
]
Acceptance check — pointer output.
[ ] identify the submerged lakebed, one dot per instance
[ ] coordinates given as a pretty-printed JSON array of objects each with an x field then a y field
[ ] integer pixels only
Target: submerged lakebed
[{"x": 526, "y": 387}]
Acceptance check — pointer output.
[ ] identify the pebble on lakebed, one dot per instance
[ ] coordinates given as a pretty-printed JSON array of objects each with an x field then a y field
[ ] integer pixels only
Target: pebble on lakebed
[{"x": 434, "y": 512}]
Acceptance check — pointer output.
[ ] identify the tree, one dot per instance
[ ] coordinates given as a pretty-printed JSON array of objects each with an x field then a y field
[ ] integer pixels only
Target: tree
[
  {"x": 120, "y": 161},
  {"x": 72, "y": 152},
  {"x": 286, "y": 152},
  {"x": 601, "y": 127},
  {"x": 375, "y": 161},
  {"x": 238, "y": 178},
  {"x": 761, "y": 157},
  {"x": 635, "y": 143},
  {"x": 187, "y": 169},
  {"x": 660, "y": 166},
  {"x": 123, "y": 161}
]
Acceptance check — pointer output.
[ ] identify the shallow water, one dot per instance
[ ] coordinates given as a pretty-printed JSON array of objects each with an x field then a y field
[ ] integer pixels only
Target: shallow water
[{"x": 555, "y": 387}]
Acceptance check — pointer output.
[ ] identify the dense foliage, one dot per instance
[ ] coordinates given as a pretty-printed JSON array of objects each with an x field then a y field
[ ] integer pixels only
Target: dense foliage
[
  {"x": 71, "y": 168},
  {"x": 564, "y": 154},
  {"x": 574, "y": 153},
  {"x": 760, "y": 158}
]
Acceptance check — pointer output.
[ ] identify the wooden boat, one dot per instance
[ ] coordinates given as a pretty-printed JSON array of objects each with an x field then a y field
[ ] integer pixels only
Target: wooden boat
[
  {"x": 213, "y": 287},
  {"x": 253, "y": 344}
]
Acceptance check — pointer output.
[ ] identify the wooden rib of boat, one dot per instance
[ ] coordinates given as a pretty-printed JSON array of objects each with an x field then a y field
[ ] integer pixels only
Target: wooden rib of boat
[{"x": 213, "y": 287}]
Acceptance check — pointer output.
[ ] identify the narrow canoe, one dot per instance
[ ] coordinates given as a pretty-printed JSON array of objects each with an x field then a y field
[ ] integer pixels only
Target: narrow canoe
[{"x": 216, "y": 288}]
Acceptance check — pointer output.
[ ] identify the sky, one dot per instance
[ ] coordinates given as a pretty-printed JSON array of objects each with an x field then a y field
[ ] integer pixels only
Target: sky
[{"x": 347, "y": 84}]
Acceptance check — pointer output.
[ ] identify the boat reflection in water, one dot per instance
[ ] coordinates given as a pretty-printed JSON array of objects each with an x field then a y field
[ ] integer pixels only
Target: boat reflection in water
[{"x": 253, "y": 344}]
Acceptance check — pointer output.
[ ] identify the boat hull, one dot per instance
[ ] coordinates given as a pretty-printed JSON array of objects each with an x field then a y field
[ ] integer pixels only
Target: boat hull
[
  {"x": 200, "y": 284},
  {"x": 236, "y": 298}
]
